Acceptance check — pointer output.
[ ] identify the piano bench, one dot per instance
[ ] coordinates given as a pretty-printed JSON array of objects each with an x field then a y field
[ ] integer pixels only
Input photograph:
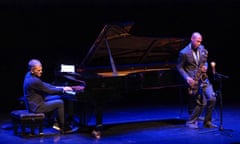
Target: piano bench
[{"x": 24, "y": 119}]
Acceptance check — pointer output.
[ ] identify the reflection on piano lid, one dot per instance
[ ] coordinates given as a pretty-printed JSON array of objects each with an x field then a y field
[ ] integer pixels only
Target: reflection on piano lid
[{"x": 116, "y": 52}]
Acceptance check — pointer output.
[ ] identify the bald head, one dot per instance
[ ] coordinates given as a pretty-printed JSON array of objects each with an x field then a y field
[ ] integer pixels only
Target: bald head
[
  {"x": 34, "y": 62},
  {"x": 196, "y": 35},
  {"x": 196, "y": 40},
  {"x": 35, "y": 67}
]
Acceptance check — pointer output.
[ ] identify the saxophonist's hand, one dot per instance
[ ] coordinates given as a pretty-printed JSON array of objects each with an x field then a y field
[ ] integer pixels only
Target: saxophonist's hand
[
  {"x": 190, "y": 81},
  {"x": 204, "y": 68}
]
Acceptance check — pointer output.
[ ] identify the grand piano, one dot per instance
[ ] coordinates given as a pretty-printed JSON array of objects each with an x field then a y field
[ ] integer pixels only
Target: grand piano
[{"x": 119, "y": 65}]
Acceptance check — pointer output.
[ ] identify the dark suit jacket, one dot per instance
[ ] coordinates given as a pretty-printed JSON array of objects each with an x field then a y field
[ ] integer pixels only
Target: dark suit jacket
[
  {"x": 187, "y": 65},
  {"x": 35, "y": 90}
]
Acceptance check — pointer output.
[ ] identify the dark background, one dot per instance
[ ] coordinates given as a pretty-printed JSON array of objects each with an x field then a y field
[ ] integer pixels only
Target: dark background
[{"x": 60, "y": 31}]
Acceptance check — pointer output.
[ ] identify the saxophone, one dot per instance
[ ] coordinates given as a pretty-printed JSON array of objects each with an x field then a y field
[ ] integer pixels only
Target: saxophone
[
  {"x": 200, "y": 75},
  {"x": 200, "y": 80}
]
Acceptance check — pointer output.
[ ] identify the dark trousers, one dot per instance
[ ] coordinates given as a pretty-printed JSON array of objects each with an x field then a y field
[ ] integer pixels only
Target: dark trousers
[
  {"x": 206, "y": 98},
  {"x": 55, "y": 104}
]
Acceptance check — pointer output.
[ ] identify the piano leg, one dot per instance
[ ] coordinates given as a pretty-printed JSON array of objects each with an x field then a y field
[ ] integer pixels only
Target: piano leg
[
  {"x": 82, "y": 107},
  {"x": 99, "y": 113},
  {"x": 70, "y": 116},
  {"x": 77, "y": 113},
  {"x": 101, "y": 97},
  {"x": 99, "y": 118}
]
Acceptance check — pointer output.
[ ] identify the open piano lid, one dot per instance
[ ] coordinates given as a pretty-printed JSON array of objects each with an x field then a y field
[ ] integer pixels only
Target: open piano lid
[{"x": 118, "y": 50}]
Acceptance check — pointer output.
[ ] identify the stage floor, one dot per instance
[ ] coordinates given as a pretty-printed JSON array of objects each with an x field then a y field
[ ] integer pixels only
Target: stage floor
[{"x": 138, "y": 124}]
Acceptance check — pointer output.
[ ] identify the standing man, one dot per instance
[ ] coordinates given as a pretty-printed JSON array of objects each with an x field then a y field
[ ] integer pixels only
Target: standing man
[
  {"x": 35, "y": 92},
  {"x": 192, "y": 65}
]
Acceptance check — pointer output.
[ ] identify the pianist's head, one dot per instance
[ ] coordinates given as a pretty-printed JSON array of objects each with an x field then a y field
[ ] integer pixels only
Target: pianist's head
[{"x": 35, "y": 67}]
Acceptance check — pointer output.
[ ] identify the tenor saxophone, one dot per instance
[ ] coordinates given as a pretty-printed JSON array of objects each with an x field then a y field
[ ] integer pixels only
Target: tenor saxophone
[
  {"x": 200, "y": 81},
  {"x": 200, "y": 76}
]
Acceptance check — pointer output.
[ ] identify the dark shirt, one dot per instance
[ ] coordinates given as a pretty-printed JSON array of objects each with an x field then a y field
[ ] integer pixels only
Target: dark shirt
[{"x": 35, "y": 90}]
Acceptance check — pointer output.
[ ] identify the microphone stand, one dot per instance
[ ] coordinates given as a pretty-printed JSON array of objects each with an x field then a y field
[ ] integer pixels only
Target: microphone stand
[{"x": 219, "y": 77}]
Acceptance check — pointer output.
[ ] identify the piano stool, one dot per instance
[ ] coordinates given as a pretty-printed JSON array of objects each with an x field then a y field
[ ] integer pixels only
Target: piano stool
[{"x": 24, "y": 119}]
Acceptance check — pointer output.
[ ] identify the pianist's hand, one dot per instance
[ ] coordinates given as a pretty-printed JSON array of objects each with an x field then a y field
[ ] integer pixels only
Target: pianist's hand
[{"x": 67, "y": 88}]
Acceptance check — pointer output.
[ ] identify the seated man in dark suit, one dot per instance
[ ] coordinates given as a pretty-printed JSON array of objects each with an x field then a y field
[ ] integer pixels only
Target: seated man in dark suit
[{"x": 36, "y": 91}]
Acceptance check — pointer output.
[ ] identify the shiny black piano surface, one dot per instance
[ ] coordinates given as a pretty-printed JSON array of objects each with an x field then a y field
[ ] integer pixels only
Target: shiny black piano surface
[{"x": 119, "y": 64}]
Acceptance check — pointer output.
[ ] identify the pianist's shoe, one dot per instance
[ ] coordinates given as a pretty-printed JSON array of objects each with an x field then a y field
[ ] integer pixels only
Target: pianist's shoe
[
  {"x": 64, "y": 130},
  {"x": 56, "y": 126}
]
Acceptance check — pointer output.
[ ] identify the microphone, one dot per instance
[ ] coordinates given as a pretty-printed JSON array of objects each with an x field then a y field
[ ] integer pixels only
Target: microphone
[
  {"x": 217, "y": 75},
  {"x": 213, "y": 64}
]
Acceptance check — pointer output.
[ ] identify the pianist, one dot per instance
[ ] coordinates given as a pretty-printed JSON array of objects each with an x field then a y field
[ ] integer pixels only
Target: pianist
[{"x": 36, "y": 91}]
